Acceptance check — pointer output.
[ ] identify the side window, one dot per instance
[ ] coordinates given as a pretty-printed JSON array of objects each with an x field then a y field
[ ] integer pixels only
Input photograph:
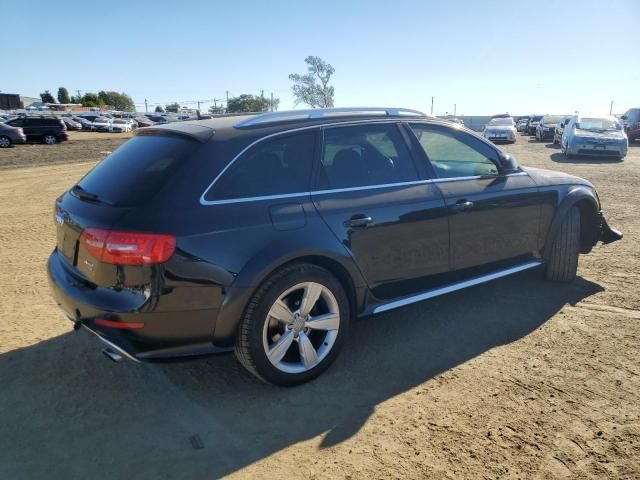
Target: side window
[
  {"x": 364, "y": 155},
  {"x": 456, "y": 154},
  {"x": 16, "y": 122},
  {"x": 273, "y": 167}
]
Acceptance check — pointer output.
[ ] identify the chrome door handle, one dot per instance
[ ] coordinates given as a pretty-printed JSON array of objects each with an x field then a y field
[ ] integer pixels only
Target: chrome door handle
[
  {"x": 463, "y": 205},
  {"x": 358, "y": 221}
]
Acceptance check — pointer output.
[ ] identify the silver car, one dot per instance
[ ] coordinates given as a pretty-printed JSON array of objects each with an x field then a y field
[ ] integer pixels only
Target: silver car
[
  {"x": 594, "y": 135},
  {"x": 500, "y": 130}
]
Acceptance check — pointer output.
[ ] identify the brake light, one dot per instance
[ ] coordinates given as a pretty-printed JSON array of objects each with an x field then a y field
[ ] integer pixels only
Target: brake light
[
  {"x": 127, "y": 248},
  {"x": 20, "y": 131}
]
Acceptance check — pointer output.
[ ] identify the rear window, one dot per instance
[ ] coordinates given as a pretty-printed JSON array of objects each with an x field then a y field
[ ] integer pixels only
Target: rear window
[{"x": 138, "y": 169}]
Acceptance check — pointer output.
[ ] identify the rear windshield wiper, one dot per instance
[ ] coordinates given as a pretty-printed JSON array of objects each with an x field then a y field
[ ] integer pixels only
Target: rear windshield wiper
[{"x": 82, "y": 194}]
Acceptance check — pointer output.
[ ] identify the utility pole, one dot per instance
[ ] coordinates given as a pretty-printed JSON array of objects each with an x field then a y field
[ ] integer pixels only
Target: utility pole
[
  {"x": 611, "y": 108},
  {"x": 271, "y": 101},
  {"x": 431, "y": 105},
  {"x": 146, "y": 109},
  {"x": 455, "y": 109},
  {"x": 262, "y": 93},
  {"x": 227, "y": 92},
  {"x": 198, "y": 104}
]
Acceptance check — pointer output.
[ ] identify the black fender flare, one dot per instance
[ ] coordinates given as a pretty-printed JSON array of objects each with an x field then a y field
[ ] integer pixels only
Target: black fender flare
[
  {"x": 324, "y": 248},
  {"x": 589, "y": 229}
]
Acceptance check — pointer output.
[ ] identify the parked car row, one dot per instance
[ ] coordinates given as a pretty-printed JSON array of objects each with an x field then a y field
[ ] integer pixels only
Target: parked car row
[
  {"x": 600, "y": 135},
  {"x": 46, "y": 129},
  {"x": 15, "y": 130}
]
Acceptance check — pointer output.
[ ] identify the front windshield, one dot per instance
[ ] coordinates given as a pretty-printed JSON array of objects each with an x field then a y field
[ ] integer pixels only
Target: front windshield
[
  {"x": 101, "y": 120},
  {"x": 551, "y": 119},
  {"x": 598, "y": 124},
  {"x": 536, "y": 119},
  {"x": 501, "y": 121}
]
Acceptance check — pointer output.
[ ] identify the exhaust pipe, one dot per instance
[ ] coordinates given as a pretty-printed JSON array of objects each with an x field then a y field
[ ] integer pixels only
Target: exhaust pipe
[{"x": 112, "y": 355}]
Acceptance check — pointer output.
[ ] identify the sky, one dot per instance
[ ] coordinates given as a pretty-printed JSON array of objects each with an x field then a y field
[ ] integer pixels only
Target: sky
[{"x": 484, "y": 56}]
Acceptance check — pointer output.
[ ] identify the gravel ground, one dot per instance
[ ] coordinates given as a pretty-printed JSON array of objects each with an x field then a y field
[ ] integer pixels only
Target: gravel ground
[{"x": 518, "y": 378}]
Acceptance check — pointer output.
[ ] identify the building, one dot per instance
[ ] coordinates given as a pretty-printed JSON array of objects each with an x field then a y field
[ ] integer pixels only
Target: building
[{"x": 10, "y": 101}]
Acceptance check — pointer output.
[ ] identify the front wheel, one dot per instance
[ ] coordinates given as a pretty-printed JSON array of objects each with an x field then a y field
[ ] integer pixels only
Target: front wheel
[
  {"x": 50, "y": 139},
  {"x": 562, "y": 264},
  {"x": 294, "y": 325}
]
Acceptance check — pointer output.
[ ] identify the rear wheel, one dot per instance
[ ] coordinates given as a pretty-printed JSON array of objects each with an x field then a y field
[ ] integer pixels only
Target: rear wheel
[
  {"x": 563, "y": 259},
  {"x": 294, "y": 326},
  {"x": 50, "y": 139},
  {"x": 5, "y": 142}
]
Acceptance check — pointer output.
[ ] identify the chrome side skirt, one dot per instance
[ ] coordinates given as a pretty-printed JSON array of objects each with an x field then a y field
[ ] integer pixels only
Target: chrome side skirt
[{"x": 455, "y": 286}]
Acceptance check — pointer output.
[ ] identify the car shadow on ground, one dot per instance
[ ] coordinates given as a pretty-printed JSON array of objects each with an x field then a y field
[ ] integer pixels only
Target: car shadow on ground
[
  {"x": 554, "y": 146},
  {"x": 560, "y": 157},
  {"x": 68, "y": 412}
]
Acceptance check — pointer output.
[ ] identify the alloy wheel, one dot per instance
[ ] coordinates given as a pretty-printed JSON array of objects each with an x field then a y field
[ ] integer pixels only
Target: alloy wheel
[
  {"x": 4, "y": 142},
  {"x": 50, "y": 140},
  {"x": 301, "y": 327}
]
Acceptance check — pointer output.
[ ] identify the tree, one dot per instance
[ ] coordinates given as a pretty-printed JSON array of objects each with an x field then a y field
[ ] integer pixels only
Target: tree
[
  {"x": 91, "y": 100},
  {"x": 118, "y": 101},
  {"x": 159, "y": 109},
  {"x": 63, "y": 95},
  {"x": 47, "y": 97},
  {"x": 173, "y": 107},
  {"x": 216, "y": 109},
  {"x": 313, "y": 88},
  {"x": 249, "y": 103},
  {"x": 273, "y": 104}
]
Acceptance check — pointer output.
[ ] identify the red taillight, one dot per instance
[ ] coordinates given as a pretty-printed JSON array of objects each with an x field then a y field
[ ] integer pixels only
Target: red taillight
[
  {"x": 121, "y": 325},
  {"x": 127, "y": 248}
]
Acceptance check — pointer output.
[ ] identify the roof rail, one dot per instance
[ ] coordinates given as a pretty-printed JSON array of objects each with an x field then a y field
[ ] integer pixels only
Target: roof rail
[{"x": 315, "y": 113}]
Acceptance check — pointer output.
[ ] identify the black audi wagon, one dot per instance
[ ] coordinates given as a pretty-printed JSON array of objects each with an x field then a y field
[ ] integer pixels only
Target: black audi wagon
[{"x": 269, "y": 233}]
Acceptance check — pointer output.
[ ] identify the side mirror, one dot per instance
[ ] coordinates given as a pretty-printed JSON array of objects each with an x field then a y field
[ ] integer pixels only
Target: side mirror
[
  {"x": 508, "y": 164},
  {"x": 624, "y": 117}
]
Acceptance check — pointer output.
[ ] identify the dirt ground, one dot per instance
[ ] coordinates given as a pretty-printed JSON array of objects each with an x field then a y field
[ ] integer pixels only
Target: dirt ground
[{"x": 517, "y": 378}]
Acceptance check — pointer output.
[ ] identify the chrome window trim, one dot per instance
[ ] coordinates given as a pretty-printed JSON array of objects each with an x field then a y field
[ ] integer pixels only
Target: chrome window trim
[
  {"x": 205, "y": 202},
  {"x": 227, "y": 201},
  {"x": 350, "y": 189}
]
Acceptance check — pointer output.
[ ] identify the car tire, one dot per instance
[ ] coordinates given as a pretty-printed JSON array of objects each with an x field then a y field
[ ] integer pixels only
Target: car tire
[
  {"x": 5, "y": 142},
  {"x": 50, "y": 139},
  {"x": 562, "y": 264},
  {"x": 275, "y": 343}
]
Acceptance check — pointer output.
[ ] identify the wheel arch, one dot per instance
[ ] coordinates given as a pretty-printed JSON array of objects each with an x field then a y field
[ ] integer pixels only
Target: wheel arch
[
  {"x": 586, "y": 200},
  {"x": 236, "y": 297}
]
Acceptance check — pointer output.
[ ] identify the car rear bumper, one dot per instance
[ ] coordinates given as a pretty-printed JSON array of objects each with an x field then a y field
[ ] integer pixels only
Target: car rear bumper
[{"x": 163, "y": 334}]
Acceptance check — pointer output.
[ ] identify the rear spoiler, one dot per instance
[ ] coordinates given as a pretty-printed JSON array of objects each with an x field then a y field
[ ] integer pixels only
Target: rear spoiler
[{"x": 194, "y": 131}]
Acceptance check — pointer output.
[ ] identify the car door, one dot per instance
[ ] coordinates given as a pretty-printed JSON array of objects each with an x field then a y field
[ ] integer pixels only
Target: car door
[
  {"x": 33, "y": 128},
  {"x": 381, "y": 206},
  {"x": 493, "y": 216}
]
